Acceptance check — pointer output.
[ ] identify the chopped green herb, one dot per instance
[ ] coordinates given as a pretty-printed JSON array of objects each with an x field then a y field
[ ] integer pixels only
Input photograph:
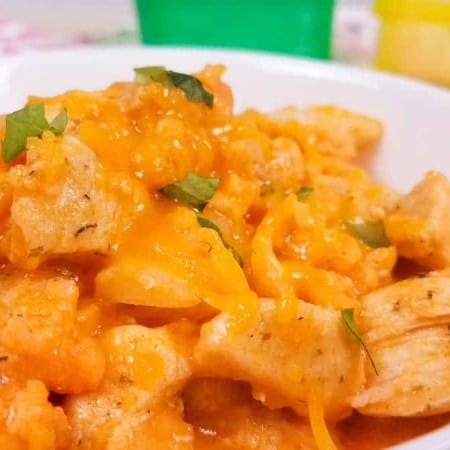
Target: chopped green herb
[
  {"x": 59, "y": 123},
  {"x": 304, "y": 192},
  {"x": 193, "y": 190},
  {"x": 20, "y": 125},
  {"x": 235, "y": 254},
  {"x": 36, "y": 251},
  {"x": 191, "y": 86},
  {"x": 206, "y": 223},
  {"x": 143, "y": 75},
  {"x": 89, "y": 226},
  {"x": 347, "y": 317},
  {"x": 28, "y": 122},
  {"x": 372, "y": 234}
]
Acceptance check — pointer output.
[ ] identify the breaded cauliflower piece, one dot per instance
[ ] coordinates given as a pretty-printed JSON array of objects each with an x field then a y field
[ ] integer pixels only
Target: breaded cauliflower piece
[
  {"x": 282, "y": 360},
  {"x": 420, "y": 227},
  {"x": 136, "y": 406},
  {"x": 406, "y": 329},
  {"x": 64, "y": 201},
  {"x": 335, "y": 131}
]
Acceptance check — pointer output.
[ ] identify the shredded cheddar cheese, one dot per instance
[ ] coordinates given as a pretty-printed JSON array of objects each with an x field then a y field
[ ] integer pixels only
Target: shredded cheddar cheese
[{"x": 316, "y": 419}]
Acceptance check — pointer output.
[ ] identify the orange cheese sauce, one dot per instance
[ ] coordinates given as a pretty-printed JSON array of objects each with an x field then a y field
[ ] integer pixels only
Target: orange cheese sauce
[{"x": 364, "y": 433}]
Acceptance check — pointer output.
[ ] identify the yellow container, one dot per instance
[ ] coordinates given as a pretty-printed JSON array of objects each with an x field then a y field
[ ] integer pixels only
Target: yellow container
[{"x": 414, "y": 38}]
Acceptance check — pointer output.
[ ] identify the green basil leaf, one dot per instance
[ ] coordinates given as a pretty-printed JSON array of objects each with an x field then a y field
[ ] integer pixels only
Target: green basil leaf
[
  {"x": 191, "y": 86},
  {"x": 59, "y": 123},
  {"x": 206, "y": 223},
  {"x": 372, "y": 234},
  {"x": 28, "y": 122},
  {"x": 235, "y": 254},
  {"x": 143, "y": 75},
  {"x": 20, "y": 125},
  {"x": 304, "y": 192},
  {"x": 193, "y": 190},
  {"x": 347, "y": 317}
]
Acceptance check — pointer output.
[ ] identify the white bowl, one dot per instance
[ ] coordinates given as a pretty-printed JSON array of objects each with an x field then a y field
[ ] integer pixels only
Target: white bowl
[{"x": 416, "y": 116}]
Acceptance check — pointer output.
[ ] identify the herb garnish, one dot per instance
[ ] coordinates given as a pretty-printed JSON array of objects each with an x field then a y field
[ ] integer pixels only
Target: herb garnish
[
  {"x": 347, "y": 317},
  {"x": 28, "y": 122},
  {"x": 82, "y": 229},
  {"x": 59, "y": 123},
  {"x": 196, "y": 191},
  {"x": 36, "y": 251},
  {"x": 206, "y": 223},
  {"x": 193, "y": 190},
  {"x": 191, "y": 86},
  {"x": 144, "y": 75},
  {"x": 372, "y": 234},
  {"x": 304, "y": 192}
]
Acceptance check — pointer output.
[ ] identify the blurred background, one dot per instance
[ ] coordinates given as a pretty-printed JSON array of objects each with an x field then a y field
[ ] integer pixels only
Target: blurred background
[{"x": 406, "y": 36}]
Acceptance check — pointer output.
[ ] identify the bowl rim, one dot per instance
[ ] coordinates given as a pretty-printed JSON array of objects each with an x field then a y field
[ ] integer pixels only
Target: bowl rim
[
  {"x": 294, "y": 64},
  {"x": 438, "y": 439}
]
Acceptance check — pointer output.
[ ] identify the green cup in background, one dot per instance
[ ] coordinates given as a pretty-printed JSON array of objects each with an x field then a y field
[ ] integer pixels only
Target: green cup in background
[{"x": 300, "y": 27}]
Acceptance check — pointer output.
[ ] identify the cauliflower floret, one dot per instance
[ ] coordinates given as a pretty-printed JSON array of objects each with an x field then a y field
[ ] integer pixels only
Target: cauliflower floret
[
  {"x": 178, "y": 265},
  {"x": 64, "y": 201},
  {"x": 285, "y": 169},
  {"x": 136, "y": 404},
  {"x": 282, "y": 360},
  {"x": 335, "y": 131},
  {"x": 28, "y": 419},
  {"x": 419, "y": 228},
  {"x": 38, "y": 331},
  {"x": 238, "y": 422},
  {"x": 405, "y": 326}
]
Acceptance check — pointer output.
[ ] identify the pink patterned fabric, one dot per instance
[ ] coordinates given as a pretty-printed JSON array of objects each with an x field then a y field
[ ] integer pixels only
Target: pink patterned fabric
[{"x": 16, "y": 36}]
